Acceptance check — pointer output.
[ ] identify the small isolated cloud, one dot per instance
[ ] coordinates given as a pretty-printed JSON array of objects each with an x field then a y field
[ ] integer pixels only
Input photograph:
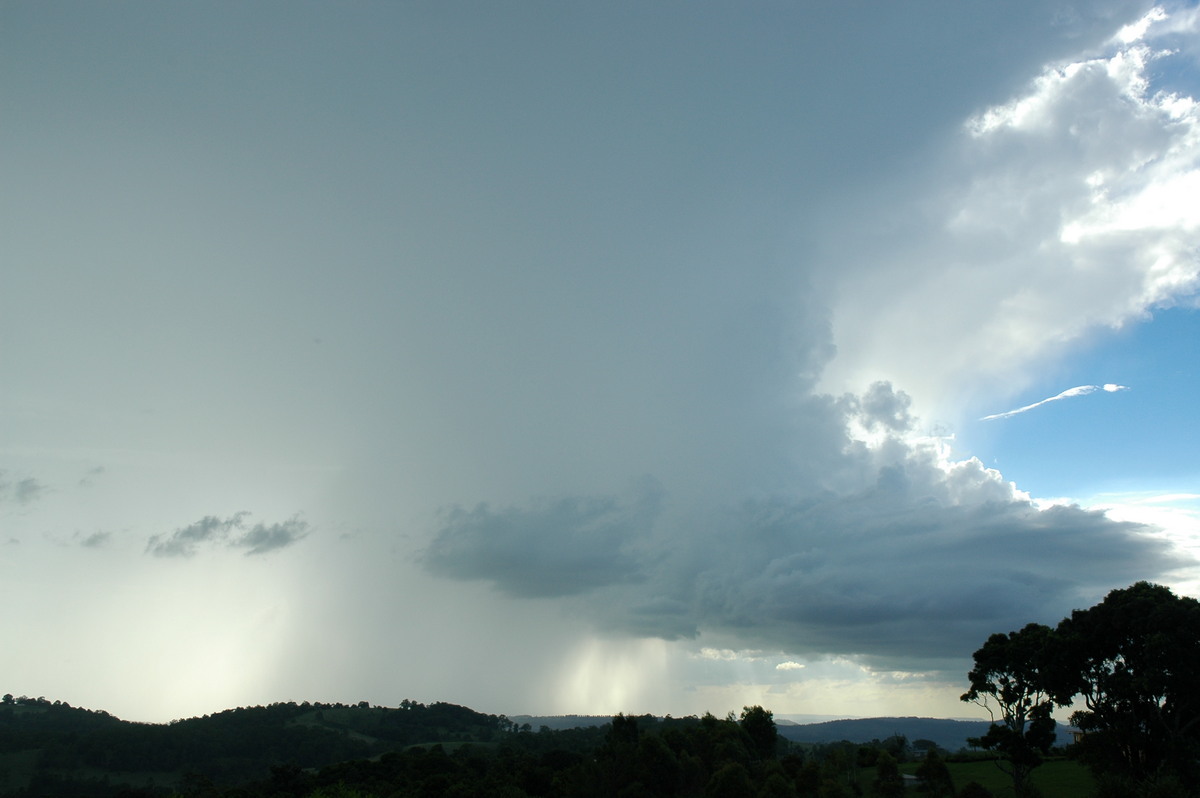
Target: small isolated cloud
[
  {"x": 728, "y": 655},
  {"x": 22, "y": 491},
  {"x": 549, "y": 547},
  {"x": 95, "y": 540},
  {"x": 261, "y": 538},
  {"x": 229, "y": 532},
  {"x": 1078, "y": 390},
  {"x": 789, "y": 666},
  {"x": 27, "y": 490},
  {"x": 183, "y": 541}
]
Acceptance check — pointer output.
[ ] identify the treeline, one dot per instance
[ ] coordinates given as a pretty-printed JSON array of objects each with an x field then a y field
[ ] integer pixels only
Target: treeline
[
  {"x": 418, "y": 751},
  {"x": 630, "y": 756}
]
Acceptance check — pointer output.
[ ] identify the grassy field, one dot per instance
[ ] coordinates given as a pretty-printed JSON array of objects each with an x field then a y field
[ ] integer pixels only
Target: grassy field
[{"x": 1057, "y": 778}]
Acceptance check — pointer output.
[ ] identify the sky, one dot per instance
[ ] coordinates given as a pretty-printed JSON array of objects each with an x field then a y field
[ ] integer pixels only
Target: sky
[{"x": 583, "y": 358}]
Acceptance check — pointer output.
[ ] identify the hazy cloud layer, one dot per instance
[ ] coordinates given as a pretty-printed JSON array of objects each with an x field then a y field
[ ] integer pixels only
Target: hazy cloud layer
[{"x": 232, "y": 532}]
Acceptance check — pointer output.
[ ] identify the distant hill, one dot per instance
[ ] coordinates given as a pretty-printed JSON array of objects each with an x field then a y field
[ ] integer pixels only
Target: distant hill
[{"x": 949, "y": 734}]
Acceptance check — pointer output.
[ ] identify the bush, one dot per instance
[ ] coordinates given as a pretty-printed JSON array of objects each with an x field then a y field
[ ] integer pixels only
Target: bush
[{"x": 1162, "y": 785}]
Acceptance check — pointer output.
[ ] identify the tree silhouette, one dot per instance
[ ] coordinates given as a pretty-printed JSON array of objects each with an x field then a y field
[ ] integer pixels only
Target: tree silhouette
[
  {"x": 759, "y": 725},
  {"x": 1013, "y": 676},
  {"x": 1135, "y": 659}
]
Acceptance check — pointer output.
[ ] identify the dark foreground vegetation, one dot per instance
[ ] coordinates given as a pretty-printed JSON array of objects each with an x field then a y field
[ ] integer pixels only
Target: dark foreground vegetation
[{"x": 339, "y": 751}]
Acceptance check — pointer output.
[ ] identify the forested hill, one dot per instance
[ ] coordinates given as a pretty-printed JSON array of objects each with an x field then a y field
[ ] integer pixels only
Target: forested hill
[{"x": 43, "y": 743}]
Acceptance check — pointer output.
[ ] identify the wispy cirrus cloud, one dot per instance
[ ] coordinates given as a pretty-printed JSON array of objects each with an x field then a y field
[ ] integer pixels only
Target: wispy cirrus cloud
[
  {"x": 1078, "y": 390},
  {"x": 231, "y": 532}
]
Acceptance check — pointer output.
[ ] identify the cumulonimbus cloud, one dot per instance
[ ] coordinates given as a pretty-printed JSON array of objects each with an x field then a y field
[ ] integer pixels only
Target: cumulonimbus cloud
[
  {"x": 1078, "y": 390},
  {"x": 922, "y": 557},
  {"x": 882, "y": 546},
  {"x": 231, "y": 532}
]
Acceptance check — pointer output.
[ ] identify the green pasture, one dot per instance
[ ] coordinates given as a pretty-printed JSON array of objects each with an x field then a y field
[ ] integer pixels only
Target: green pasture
[{"x": 1056, "y": 778}]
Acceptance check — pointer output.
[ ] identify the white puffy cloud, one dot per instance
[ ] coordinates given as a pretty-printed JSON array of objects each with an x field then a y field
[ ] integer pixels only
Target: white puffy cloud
[{"x": 1068, "y": 208}]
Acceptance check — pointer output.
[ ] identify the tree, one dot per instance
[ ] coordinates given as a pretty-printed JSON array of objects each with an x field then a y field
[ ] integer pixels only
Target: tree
[
  {"x": 731, "y": 781},
  {"x": 888, "y": 781},
  {"x": 1135, "y": 660},
  {"x": 924, "y": 746},
  {"x": 657, "y": 765},
  {"x": 759, "y": 725},
  {"x": 897, "y": 746},
  {"x": 619, "y": 752},
  {"x": 935, "y": 775},
  {"x": 1015, "y": 672},
  {"x": 777, "y": 785},
  {"x": 808, "y": 779}
]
